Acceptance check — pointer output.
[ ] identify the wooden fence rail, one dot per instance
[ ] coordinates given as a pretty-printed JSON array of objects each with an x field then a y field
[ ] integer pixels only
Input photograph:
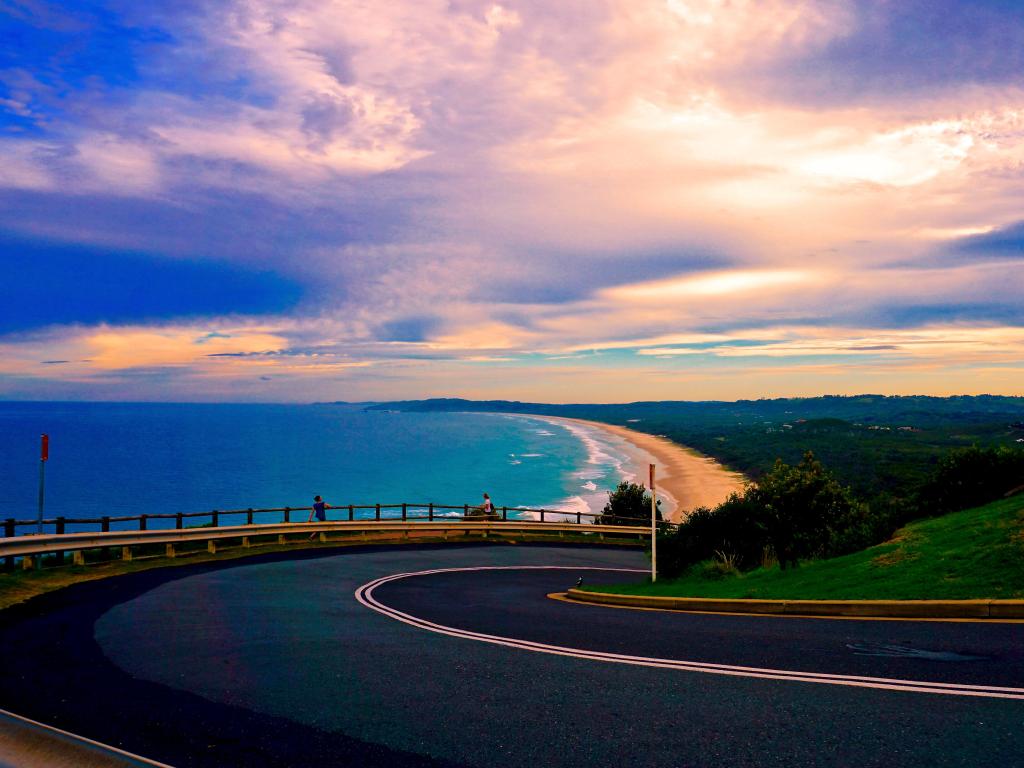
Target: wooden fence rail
[{"x": 407, "y": 510}]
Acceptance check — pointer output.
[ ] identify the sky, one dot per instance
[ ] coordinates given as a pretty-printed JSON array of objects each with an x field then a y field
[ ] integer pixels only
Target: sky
[{"x": 580, "y": 201}]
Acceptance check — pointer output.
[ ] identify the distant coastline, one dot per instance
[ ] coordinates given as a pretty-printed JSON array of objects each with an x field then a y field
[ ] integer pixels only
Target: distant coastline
[{"x": 687, "y": 478}]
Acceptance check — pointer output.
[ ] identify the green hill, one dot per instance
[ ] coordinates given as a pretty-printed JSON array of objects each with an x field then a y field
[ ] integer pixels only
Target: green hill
[{"x": 973, "y": 554}]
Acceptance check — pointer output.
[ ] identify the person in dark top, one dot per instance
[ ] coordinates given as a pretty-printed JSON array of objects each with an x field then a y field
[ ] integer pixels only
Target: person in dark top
[{"x": 319, "y": 509}]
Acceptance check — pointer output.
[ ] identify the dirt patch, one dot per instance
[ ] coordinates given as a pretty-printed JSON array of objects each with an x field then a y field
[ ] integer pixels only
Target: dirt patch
[{"x": 898, "y": 555}]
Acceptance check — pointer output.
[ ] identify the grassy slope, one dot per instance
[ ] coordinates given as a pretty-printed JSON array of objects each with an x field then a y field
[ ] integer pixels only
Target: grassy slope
[{"x": 977, "y": 553}]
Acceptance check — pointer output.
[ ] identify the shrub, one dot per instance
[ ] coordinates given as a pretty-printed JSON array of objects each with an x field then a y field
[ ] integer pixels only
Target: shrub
[
  {"x": 970, "y": 477},
  {"x": 792, "y": 512},
  {"x": 628, "y": 504}
]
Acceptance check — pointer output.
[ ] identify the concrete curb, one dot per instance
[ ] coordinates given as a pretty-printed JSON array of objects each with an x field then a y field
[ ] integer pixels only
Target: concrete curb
[{"x": 908, "y": 609}]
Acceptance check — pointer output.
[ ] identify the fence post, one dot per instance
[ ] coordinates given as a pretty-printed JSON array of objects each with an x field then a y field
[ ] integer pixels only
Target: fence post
[
  {"x": 542, "y": 515},
  {"x": 504, "y": 513},
  {"x": 9, "y": 532},
  {"x": 465, "y": 511},
  {"x": 178, "y": 521},
  {"x": 105, "y": 524},
  {"x": 216, "y": 518},
  {"x": 351, "y": 513},
  {"x": 430, "y": 512},
  {"x": 404, "y": 515},
  {"x": 579, "y": 517},
  {"x": 248, "y": 516},
  {"x": 142, "y": 522},
  {"x": 378, "y": 512},
  {"x": 287, "y": 514},
  {"x": 59, "y": 555}
]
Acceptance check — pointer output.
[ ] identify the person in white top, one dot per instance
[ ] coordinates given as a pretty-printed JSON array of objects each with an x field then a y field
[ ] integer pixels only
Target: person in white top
[{"x": 488, "y": 507}]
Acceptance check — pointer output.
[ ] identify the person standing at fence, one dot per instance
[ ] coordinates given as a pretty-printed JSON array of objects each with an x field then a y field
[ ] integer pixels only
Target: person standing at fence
[
  {"x": 319, "y": 509},
  {"x": 488, "y": 507}
]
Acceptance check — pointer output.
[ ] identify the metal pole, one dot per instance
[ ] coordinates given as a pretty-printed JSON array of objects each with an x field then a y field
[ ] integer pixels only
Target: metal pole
[
  {"x": 654, "y": 529},
  {"x": 44, "y": 454}
]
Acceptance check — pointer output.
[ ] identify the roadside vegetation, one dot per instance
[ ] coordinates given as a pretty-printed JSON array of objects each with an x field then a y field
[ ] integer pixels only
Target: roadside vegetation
[
  {"x": 799, "y": 532},
  {"x": 970, "y": 554},
  {"x": 628, "y": 504}
]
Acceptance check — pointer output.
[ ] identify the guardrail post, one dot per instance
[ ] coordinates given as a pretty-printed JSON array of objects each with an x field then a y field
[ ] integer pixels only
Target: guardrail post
[
  {"x": 78, "y": 557},
  {"x": 60, "y": 530},
  {"x": 169, "y": 551},
  {"x": 246, "y": 544},
  {"x": 105, "y": 524},
  {"x": 126, "y": 554},
  {"x": 287, "y": 514},
  {"x": 179, "y": 521},
  {"x": 27, "y": 563},
  {"x": 248, "y": 516},
  {"x": 142, "y": 522},
  {"x": 430, "y": 512},
  {"x": 378, "y": 513},
  {"x": 351, "y": 513},
  {"x": 404, "y": 510},
  {"x": 211, "y": 547},
  {"x": 216, "y": 518},
  {"x": 504, "y": 513},
  {"x": 9, "y": 532}
]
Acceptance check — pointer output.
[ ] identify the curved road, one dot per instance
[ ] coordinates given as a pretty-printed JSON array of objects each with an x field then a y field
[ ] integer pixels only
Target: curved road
[{"x": 277, "y": 661}]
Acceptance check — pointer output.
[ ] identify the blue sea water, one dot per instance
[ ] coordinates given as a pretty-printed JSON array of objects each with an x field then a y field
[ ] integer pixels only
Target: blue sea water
[{"x": 134, "y": 458}]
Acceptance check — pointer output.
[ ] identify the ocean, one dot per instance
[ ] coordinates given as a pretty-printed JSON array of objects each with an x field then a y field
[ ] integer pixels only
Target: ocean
[{"x": 144, "y": 458}]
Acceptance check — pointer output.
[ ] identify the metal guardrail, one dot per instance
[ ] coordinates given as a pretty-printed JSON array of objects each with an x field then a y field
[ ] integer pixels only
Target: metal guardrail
[{"x": 31, "y": 548}]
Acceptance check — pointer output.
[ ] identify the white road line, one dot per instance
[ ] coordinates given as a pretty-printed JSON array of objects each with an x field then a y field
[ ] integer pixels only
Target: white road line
[{"x": 365, "y": 596}]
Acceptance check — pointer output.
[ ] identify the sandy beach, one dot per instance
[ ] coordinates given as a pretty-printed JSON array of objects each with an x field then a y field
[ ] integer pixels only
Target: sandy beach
[{"x": 685, "y": 479}]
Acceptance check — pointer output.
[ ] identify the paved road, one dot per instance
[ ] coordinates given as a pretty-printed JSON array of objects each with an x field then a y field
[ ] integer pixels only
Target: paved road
[{"x": 276, "y": 663}]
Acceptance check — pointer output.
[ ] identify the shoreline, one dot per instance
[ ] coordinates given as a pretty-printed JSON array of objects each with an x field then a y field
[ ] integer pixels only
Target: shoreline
[{"x": 685, "y": 478}]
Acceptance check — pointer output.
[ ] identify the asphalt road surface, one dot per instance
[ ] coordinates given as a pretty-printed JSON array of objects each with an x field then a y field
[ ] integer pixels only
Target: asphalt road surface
[{"x": 324, "y": 659}]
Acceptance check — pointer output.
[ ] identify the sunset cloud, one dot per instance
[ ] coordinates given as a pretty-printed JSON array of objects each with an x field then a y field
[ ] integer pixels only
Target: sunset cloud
[{"x": 388, "y": 197}]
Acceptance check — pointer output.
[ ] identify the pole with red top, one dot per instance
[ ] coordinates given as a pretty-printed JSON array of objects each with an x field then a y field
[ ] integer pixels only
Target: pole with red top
[{"x": 44, "y": 454}]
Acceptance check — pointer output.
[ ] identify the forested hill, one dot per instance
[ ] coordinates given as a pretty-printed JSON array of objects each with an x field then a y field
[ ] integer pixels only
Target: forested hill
[
  {"x": 875, "y": 443},
  {"x": 865, "y": 408}
]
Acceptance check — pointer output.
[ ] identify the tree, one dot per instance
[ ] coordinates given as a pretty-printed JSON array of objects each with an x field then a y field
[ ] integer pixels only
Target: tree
[
  {"x": 628, "y": 504},
  {"x": 794, "y": 511},
  {"x": 969, "y": 477},
  {"x": 803, "y": 508}
]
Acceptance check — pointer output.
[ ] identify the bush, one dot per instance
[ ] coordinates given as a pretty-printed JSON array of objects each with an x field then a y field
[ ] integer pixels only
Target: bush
[
  {"x": 805, "y": 510},
  {"x": 628, "y": 504},
  {"x": 792, "y": 512},
  {"x": 970, "y": 477}
]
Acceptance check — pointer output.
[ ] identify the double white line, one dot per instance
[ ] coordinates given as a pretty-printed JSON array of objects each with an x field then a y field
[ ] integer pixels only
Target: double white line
[{"x": 365, "y": 596}]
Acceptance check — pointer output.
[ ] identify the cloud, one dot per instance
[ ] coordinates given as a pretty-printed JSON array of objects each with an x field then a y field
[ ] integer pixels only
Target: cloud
[{"x": 385, "y": 194}]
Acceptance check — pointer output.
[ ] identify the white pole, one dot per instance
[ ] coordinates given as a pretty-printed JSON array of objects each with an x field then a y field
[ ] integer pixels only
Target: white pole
[{"x": 654, "y": 529}]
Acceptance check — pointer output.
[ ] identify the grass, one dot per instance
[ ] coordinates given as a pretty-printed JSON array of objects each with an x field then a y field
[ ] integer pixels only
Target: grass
[
  {"x": 18, "y": 586},
  {"x": 974, "y": 554}
]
